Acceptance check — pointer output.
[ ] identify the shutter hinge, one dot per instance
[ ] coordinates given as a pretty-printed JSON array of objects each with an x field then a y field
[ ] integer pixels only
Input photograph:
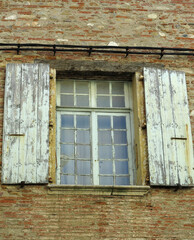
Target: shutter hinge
[
  {"x": 141, "y": 78},
  {"x": 143, "y": 125}
]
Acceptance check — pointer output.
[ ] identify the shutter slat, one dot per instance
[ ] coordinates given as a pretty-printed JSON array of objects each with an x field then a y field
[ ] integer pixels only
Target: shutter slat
[
  {"x": 21, "y": 120},
  {"x": 29, "y": 119},
  {"x": 169, "y": 148},
  {"x": 167, "y": 129},
  {"x": 11, "y": 123}
]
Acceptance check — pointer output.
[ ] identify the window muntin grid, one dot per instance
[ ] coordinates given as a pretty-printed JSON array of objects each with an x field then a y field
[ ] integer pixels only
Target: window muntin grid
[{"x": 80, "y": 149}]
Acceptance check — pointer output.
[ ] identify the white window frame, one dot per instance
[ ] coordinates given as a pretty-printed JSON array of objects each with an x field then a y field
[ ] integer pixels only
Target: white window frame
[{"x": 95, "y": 111}]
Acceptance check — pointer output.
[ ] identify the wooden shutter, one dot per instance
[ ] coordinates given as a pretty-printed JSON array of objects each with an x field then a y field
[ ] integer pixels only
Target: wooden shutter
[
  {"x": 26, "y": 124},
  {"x": 168, "y": 128}
]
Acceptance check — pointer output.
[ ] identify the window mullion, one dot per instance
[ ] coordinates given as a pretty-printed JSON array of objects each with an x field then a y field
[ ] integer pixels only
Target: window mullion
[{"x": 95, "y": 162}]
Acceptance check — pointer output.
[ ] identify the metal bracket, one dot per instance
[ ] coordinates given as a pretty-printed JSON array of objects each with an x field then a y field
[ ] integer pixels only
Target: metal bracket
[
  {"x": 18, "y": 50},
  {"x": 54, "y": 49},
  {"x": 162, "y": 53},
  {"x": 127, "y": 52},
  {"x": 89, "y": 51}
]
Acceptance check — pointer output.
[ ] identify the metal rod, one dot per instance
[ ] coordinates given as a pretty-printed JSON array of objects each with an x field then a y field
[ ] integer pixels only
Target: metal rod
[{"x": 126, "y": 50}]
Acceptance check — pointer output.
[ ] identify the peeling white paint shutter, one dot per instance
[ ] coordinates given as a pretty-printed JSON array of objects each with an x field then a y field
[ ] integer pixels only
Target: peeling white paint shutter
[
  {"x": 168, "y": 128},
  {"x": 26, "y": 124}
]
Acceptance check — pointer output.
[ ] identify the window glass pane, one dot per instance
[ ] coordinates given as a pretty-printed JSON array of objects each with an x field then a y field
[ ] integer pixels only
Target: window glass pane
[
  {"x": 103, "y": 88},
  {"x": 67, "y": 121},
  {"x": 122, "y": 180},
  {"x": 67, "y": 136},
  {"x": 118, "y": 101},
  {"x": 66, "y": 87},
  {"x": 83, "y": 151},
  {"x": 119, "y": 122},
  {"x": 120, "y": 137},
  {"x": 106, "y": 180},
  {"x": 83, "y": 167},
  {"x": 83, "y": 180},
  {"x": 103, "y": 101},
  {"x": 83, "y": 137},
  {"x": 82, "y": 101},
  {"x": 83, "y": 121},
  {"x": 67, "y": 179},
  {"x": 67, "y": 167},
  {"x": 104, "y": 122},
  {"x": 121, "y": 167},
  {"x": 67, "y": 150},
  {"x": 117, "y": 88},
  {"x": 105, "y": 152},
  {"x": 121, "y": 152},
  {"x": 104, "y": 137},
  {"x": 67, "y": 100},
  {"x": 82, "y": 87},
  {"x": 106, "y": 167}
]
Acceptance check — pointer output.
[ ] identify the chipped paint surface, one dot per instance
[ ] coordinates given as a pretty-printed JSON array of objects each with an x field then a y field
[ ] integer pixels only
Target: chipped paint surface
[
  {"x": 25, "y": 139},
  {"x": 168, "y": 127}
]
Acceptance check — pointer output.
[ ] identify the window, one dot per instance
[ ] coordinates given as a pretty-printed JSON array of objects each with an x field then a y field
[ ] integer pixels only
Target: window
[
  {"x": 94, "y": 133},
  {"x": 95, "y": 128}
]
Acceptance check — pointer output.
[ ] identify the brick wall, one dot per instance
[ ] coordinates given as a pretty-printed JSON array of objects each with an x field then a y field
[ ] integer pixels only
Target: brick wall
[{"x": 32, "y": 213}]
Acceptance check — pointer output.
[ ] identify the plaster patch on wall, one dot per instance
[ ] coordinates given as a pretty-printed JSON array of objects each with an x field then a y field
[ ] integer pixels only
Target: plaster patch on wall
[
  {"x": 162, "y": 34},
  {"x": 62, "y": 40},
  {"x": 153, "y": 16},
  {"x": 90, "y": 24},
  {"x": 11, "y": 17},
  {"x": 113, "y": 44}
]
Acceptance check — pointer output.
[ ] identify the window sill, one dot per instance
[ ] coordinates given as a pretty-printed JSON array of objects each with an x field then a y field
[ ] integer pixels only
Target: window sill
[{"x": 99, "y": 190}]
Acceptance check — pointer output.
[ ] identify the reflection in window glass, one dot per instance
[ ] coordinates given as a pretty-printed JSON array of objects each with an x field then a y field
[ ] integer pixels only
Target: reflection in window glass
[
  {"x": 67, "y": 150},
  {"x": 119, "y": 122},
  {"x": 82, "y": 87},
  {"x": 83, "y": 151},
  {"x": 103, "y": 101},
  {"x": 82, "y": 101},
  {"x": 67, "y": 136},
  {"x": 103, "y": 88},
  {"x": 121, "y": 152},
  {"x": 121, "y": 167},
  {"x": 67, "y": 100},
  {"x": 83, "y": 121},
  {"x": 68, "y": 166},
  {"x": 83, "y": 180},
  {"x": 120, "y": 137},
  {"x": 122, "y": 180},
  {"x": 106, "y": 167},
  {"x": 83, "y": 167},
  {"x": 104, "y": 137},
  {"x": 67, "y": 87},
  {"x": 118, "y": 88},
  {"x": 67, "y": 121},
  {"x": 105, "y": 152},
  {"x": 67, "y": 179},
  {"x": 118, "y": 101},
  {"x": 104, "y": 122},
  {"x": 106, "y": 181},
  {"x": 83, "y": 137}
]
